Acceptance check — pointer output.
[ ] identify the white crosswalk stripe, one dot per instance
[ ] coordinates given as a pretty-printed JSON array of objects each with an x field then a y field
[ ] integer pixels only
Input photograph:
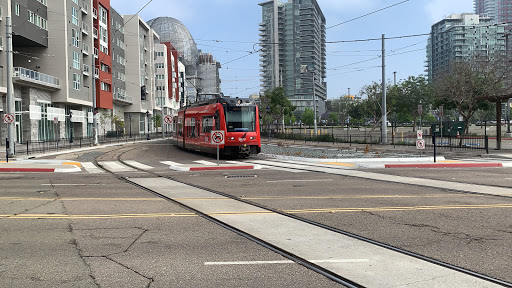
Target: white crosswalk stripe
[
  {"x": 138, "y": 165},
  {"x": 91, "y": 168},
  {"x": 170, "y": 163},
  {"x": 116, "y": 166},
  {"x": 205, "y": 162}
]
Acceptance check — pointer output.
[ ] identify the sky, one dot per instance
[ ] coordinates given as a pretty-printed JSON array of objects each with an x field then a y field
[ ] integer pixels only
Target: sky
[{"x": 229, "y": 30}]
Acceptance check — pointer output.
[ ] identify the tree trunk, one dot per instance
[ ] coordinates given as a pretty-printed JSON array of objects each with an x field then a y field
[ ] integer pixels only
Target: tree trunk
[{"x": 498, "y": 124}]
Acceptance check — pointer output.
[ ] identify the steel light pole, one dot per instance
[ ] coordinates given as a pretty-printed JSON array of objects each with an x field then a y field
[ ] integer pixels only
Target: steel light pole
[
  {"x": 147, "y": 115},
  {"x": 130, "y": 119},
  {"x": 71, "y": 127},
  {"x": 268, "y": 112}
]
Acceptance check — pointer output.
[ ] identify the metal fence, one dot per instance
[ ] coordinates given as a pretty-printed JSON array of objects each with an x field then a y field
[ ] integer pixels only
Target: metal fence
[
  {"x": 35, "y": 147},
  {"x": 442, "y": 142}
]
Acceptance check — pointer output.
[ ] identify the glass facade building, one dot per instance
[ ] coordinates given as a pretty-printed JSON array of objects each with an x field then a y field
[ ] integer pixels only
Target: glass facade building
[
  {"x": 293, "y": 51},
  {"x": 463, "y": 37}
]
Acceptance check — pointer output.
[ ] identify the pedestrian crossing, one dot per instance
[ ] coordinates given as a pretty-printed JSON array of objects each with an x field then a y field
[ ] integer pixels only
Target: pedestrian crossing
[{"x": 136, "y": 166}]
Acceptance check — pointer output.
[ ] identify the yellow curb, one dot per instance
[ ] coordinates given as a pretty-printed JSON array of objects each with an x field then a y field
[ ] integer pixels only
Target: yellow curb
[{"x": 78, "y": 164}]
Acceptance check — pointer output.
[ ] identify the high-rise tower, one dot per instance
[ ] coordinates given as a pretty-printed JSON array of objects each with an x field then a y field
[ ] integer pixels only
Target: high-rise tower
[{"x": 293, "y": 51}]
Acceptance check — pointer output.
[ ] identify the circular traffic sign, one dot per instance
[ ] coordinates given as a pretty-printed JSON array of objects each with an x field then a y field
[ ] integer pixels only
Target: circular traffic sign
[
  {"x": 8, "y": 118},
  {"x": 218, "y": 137},
  {"x": 168, "y": 119},
  {"x": 420, "y": 144}
]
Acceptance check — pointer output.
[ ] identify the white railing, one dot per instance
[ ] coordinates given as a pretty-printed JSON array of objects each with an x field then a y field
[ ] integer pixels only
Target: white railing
[
  {"x": 85, "y": 7},
  {"x": 123, "y": 97},
  {"x": 85, "y": 49},
  {"x": 36, "y": 76},
  {"x": 86, "y": 69},
  {"x": 94, "y": 13},
  {"x": 96, "y": 73},
  {"x": 85, "y": 28}
]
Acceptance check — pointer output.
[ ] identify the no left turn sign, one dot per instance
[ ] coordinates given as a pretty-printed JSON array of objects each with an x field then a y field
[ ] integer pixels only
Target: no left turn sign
[
  {"x": 420, "y": 144},
  {"x": 217, "y": 137},
  {"x": 168, "y": 119},
  {"x": 8, "y": 118}
]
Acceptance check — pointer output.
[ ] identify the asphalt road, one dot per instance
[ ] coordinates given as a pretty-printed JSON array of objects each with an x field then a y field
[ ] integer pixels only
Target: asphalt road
[{"x": 95, "y": 230}]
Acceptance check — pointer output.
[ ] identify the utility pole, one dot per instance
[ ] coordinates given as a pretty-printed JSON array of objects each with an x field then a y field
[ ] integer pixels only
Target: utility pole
[
  {"x": 9, "y": 97},
  {"x": 94, "y": 114},
  {"x": 314, "y": 99},
  {"x": 384, "y": 125}
]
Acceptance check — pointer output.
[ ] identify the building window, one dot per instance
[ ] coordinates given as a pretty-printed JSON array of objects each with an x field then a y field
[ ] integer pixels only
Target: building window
[
  {"x": 17, "y": 9},
  {"x": 30, "y": 16},
  {"x": 76, "y": 60},
  {"x": 74, "y": 1},
  {"x": 44, "y": 2},
  {"x": 105, "y": 86},
  {"x": 74, "y": 15},
  {"x": 76, "y": 81},
  {"x": 74, "y": 37},
  {"x": 105, "y": 68},
  {"x": 103, "y": 15}
]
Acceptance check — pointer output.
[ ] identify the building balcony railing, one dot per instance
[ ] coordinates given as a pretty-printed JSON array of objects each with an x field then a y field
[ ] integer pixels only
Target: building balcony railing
[
  {"x": 35, "y": 78},
  {"x": 85, "y": 28},
  {"x": 96, "y": 73},
  {"x": 123, "y": 98},
  {"x": 85, "y": 7},
  {"x": 86, "y": 69},
  {"x": 95, "y": 33},
  {"x": 94, "y": 13},
  {"x": 85, "y": 49},
  {"x": 96, "y": 52}
]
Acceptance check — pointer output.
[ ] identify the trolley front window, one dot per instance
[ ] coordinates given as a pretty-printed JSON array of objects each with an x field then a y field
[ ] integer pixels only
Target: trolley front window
[{"x": 241, "y": 119}]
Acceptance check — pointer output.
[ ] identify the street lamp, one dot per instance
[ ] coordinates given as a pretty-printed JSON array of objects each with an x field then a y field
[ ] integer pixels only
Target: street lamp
[
  {"x": 130, "y": 119},
  {"x": 147, "y": 114},
  {"x": 71, "y": 127},
  {"x": 268, "y": 112}
]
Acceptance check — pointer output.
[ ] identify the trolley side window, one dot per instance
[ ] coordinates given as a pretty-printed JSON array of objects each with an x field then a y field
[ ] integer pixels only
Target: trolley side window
[
  {"x": 208, "y": 123},
  {"x": 180, "y": 126},
  {"x": 240, "y": 119}
]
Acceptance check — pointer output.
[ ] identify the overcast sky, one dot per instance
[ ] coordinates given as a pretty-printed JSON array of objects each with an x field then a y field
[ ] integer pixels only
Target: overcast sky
[{"x": 229, "y": 30}]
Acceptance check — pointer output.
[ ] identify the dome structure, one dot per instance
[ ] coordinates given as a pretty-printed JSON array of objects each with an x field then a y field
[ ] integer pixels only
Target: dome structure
[{"x": 172, "y": 30}]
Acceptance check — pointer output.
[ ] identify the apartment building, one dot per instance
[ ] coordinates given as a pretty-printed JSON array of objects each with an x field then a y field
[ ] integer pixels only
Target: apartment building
[
  {"x": 293, "y": 51},
  {"x": 68, "y": 53},
  {"x": 463, "y": 37}
]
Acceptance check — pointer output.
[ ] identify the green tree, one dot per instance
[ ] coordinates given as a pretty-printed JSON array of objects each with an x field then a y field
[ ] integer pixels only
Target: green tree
[
  {"x": 279, "y": 105},
  {"x": 308, "y": 117},
  {"x": 157, "y": 121},
  {"x": 333, "y": 118},
  {"x": 410, "y": 93}
]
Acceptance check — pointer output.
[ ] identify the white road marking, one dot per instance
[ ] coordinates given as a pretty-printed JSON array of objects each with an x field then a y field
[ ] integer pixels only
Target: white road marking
[
  {"x": 83, "y": 184},
  {"x": 299, "y": 180},
  {"x": 170, "y": 163},
  {"x": 91, "y": 168},
  {"x": 205, "y": 162},
  {"x": 138, "y": 165},
  {"x": 284, "y": 262},
  {"x": 116, "y": 166},
  {"x": 282, "y": 169},
  {"x": 234, "y": 162}
]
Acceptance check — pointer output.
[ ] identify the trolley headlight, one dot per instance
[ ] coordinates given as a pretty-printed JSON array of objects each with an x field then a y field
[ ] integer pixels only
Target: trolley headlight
[
  {"x": 252, "y": 138},
  {"x": 231, "y": 138}
]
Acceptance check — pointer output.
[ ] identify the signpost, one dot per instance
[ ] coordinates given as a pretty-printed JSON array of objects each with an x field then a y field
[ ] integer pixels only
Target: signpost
[{"x": 217, "y": 137}]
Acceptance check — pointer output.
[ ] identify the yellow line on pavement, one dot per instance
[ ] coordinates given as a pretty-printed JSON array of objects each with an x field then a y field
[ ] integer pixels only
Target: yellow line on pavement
[
  {"x": 323, "y": 210},
  {"x": 413, "y": 208},
  {"x": 80, "y": 199},
  {"x": 364, "y": 196}
]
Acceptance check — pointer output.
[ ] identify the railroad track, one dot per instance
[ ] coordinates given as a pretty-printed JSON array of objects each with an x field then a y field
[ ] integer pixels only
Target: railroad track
[{"x": 336, "y": 277}]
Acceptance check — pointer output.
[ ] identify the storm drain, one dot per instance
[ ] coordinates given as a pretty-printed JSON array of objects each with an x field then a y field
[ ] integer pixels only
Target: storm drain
[{"x": 240, "y": 176}]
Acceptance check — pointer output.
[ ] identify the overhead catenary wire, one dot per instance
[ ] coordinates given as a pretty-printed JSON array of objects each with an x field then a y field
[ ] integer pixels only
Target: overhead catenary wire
[{"x": 367, "y": 14}]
